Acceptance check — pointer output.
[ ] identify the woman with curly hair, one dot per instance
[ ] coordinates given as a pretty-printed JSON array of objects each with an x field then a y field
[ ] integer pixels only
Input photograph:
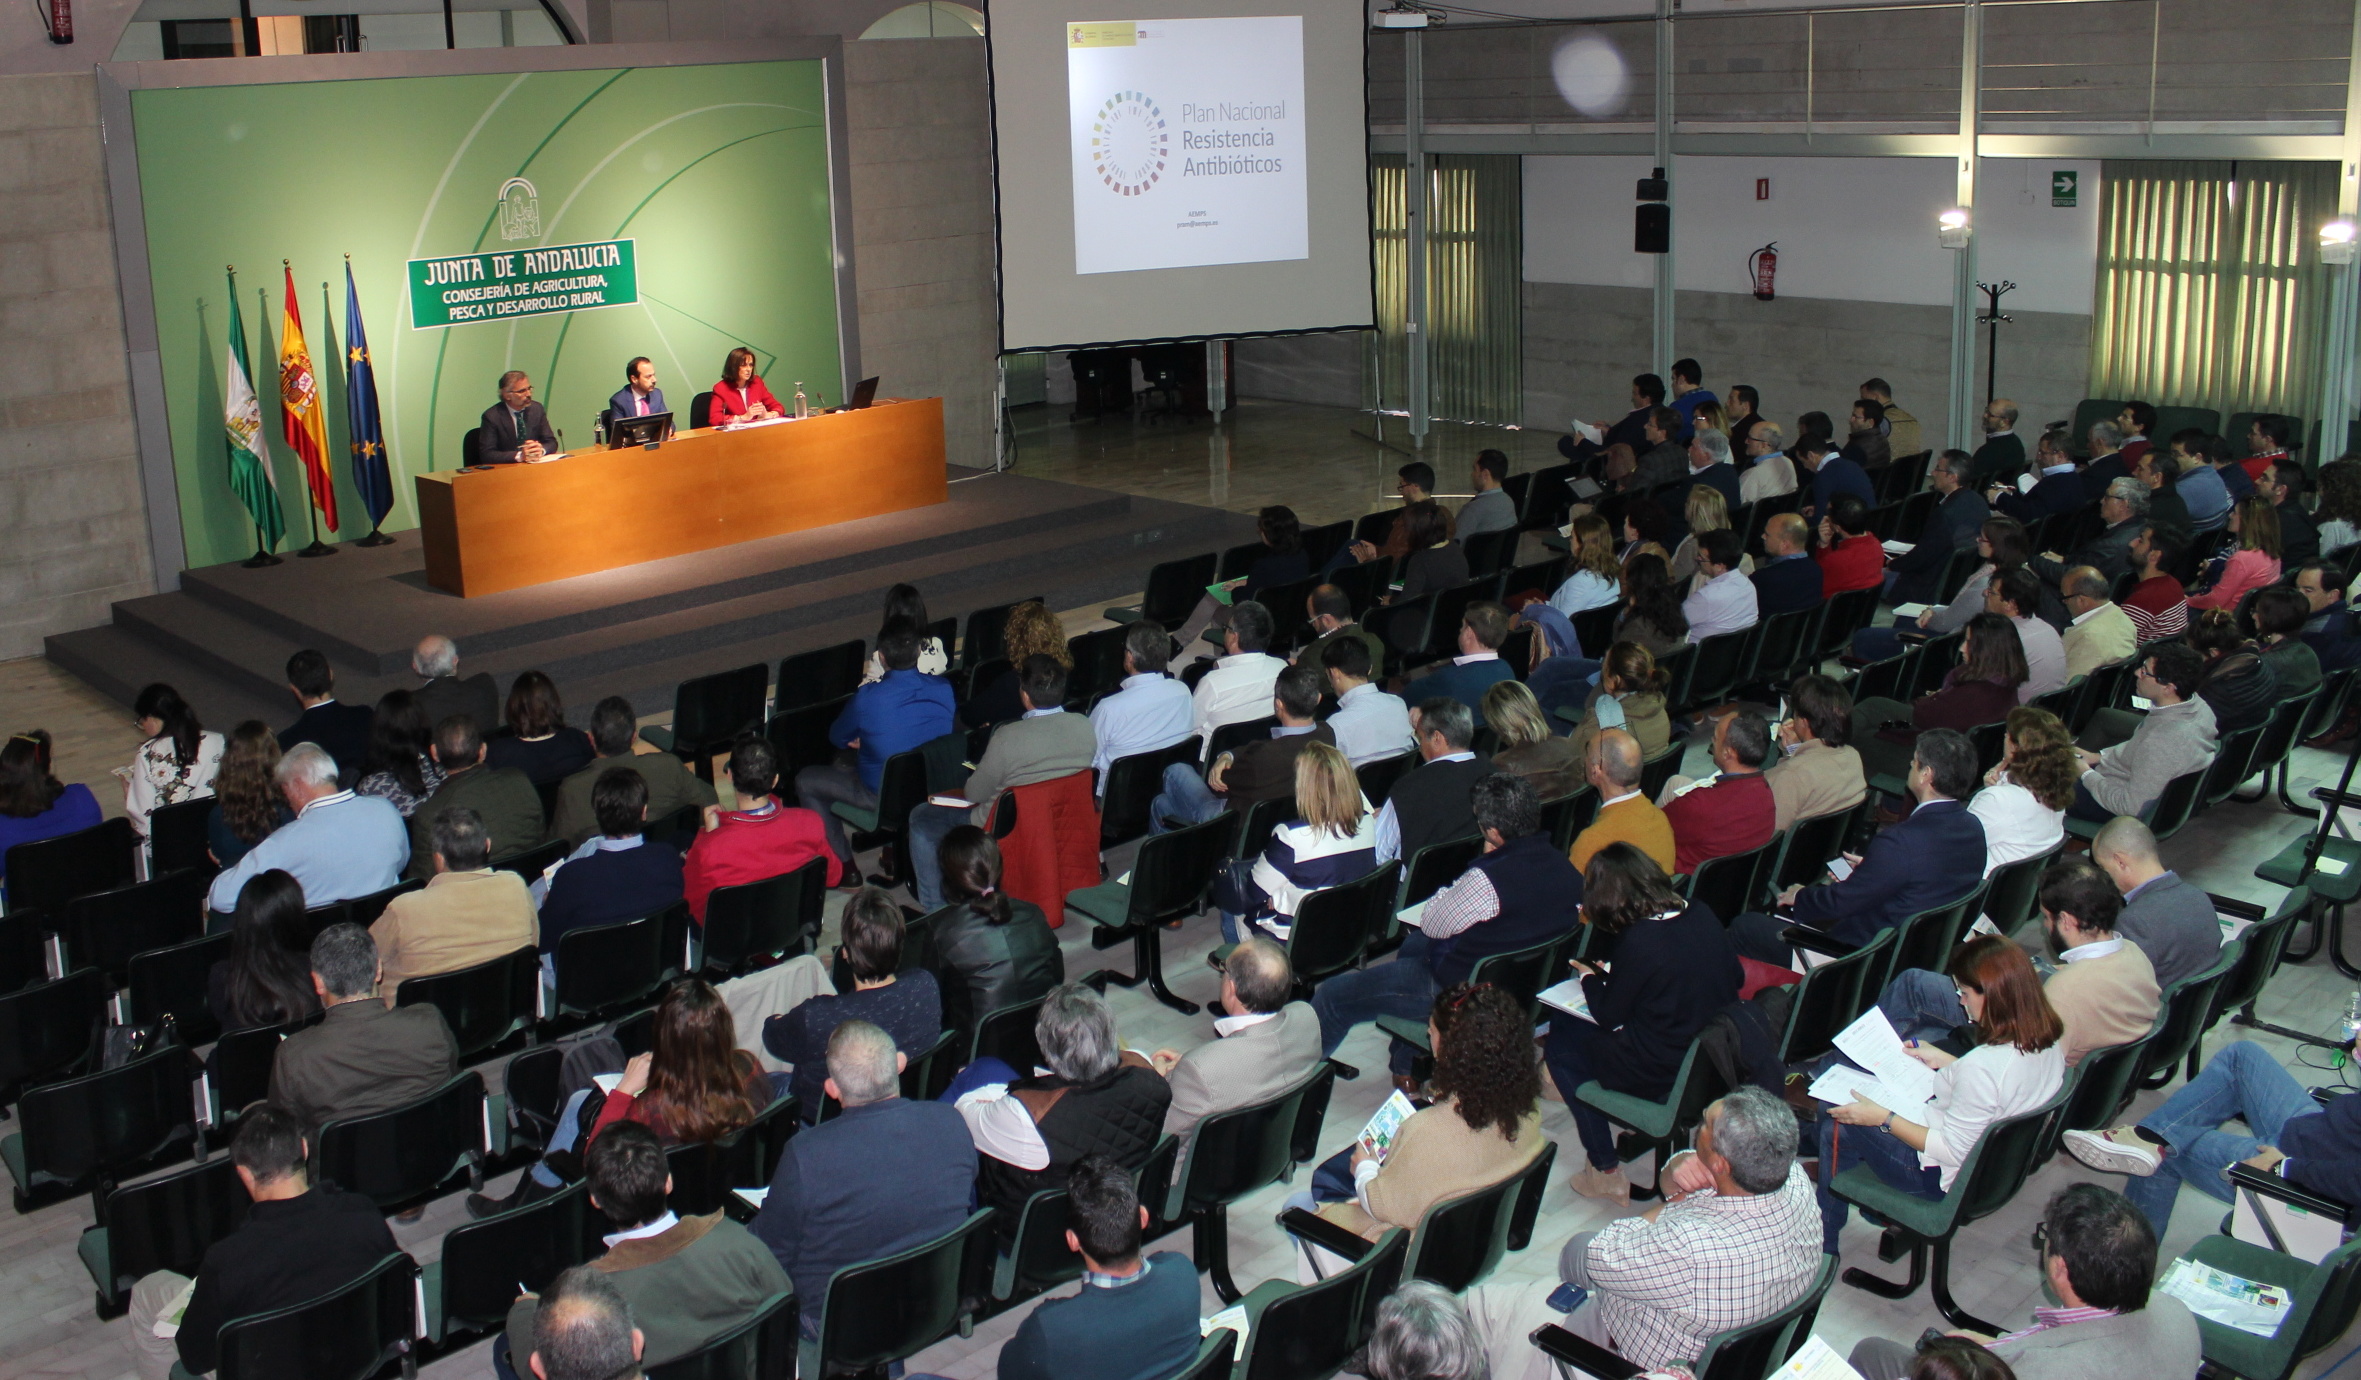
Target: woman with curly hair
[
  {"x": 2339, "y": 512},
  {"x": 1031, "y": 629},
  {"x": 247, "y": 805},
  {"x": 2023, "y": 803},
  {"x": 1483, "y": 1125},
  {"x": 1592, "y": 584},
  {"x": 1674, "y": 970}
]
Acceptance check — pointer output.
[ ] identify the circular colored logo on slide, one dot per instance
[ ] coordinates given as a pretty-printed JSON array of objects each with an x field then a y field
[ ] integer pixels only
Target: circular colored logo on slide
[{"x": 1128, "y": 143}]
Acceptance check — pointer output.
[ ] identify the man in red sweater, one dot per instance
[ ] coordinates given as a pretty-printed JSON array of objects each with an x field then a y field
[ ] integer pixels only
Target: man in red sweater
[
  {"x": 1849, "y": 557},
  {"x": 761, "y": 838},
  {"x": 2158, "y": 607},
  {"x": 1730, "y": 811}
]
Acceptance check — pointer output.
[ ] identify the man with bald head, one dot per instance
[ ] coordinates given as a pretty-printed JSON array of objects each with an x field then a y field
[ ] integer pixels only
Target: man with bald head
[
  {"x": 443, "y": 694},
  {"x": 1264, "y": 1046},
  {"x": 1626, "y": 815},
  {"x": 2100, "y": 631},
  {"x": 1789, "y": 579},
  {"x": 2172, "y": 921}
]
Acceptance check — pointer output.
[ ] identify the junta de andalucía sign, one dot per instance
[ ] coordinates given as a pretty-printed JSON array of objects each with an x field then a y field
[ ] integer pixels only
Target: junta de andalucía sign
[{"x": 512, "y": 283}]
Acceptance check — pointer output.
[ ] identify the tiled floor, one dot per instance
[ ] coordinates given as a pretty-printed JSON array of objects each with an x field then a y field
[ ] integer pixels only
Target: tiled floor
[{"x": 1308, "y": 458}]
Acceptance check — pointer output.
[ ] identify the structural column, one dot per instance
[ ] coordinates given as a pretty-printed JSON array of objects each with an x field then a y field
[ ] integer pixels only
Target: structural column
[
  {"x": 1964, "y": 412},
  {"x": 1662, "y": 300},
  {"x": 1414, "y": 192},
  {"x": 2341, "y": 336}
]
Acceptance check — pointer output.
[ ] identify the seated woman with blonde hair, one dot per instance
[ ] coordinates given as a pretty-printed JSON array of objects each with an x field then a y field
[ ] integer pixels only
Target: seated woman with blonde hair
[
  {"x": 1527, "y": 746},
  {"x": 1331, "y": 841}
]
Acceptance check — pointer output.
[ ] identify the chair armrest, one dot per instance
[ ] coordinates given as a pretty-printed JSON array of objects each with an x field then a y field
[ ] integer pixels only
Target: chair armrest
[
  {"x": 2324, "y": 1096},
  {"x": 2270, "y": 1185},
  {"x": 2231, "y": 905},
  {"x": 2330, "y": 795},
  {"x": 1583, "y": 1354},
  {"x": 1818, "y": 941},
  {"x": 1409, "y": 1032},
  {"x": 1325, "y": 1234}
]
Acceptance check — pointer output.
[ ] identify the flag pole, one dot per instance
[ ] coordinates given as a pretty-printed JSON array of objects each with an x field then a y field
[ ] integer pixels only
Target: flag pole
[
  {"x": 262, "y": 556},
  {"x": 311, "y": 507},
  {"x": 375, "y": 537}
]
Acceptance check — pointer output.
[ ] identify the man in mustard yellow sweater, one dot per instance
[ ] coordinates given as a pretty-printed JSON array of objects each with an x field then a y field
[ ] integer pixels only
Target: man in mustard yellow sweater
[{"x": 1626, "y": 815}]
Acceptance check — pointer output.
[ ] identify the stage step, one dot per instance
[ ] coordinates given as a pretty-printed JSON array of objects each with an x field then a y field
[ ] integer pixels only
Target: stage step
[{"x": 225, "y": 636}]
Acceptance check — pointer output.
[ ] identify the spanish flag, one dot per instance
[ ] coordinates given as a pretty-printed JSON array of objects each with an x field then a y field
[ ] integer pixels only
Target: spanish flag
[{"x": 301, "y": 419}]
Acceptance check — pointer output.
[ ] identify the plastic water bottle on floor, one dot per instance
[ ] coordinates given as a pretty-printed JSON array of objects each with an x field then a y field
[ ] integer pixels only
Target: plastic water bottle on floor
[{"x": 2352, "y": 1023}]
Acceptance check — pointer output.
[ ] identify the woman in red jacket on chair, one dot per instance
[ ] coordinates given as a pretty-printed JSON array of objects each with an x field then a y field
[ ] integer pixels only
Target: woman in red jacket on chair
[{"x": 740, "y": 396}]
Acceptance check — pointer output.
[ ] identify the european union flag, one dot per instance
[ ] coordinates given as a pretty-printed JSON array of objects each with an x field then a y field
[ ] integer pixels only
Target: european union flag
[{"x": 371, "y": 475}]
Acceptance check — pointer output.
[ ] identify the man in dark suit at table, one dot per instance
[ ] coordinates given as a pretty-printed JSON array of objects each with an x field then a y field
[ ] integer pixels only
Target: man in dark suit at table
[
  {"x": 514, "y": 429},
  {"x": 640, "y": 396},
  {"x": 343, "y": 729}
]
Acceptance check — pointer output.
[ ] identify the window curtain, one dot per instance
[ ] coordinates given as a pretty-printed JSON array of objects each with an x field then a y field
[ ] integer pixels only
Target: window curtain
[
  {"x": 1475, "y": 310},
  {"x": 2210, "y": 290}
]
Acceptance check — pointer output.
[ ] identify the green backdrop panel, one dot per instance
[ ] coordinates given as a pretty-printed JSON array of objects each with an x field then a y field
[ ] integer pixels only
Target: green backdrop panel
[{"x": 718, "y": 174}]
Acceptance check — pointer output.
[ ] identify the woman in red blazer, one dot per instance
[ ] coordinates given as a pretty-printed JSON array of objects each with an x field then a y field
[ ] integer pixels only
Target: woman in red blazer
[{"x": 740, "y": 396}]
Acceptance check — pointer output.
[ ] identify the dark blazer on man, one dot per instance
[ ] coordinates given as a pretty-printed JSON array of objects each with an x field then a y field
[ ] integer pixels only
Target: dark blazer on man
[
  {"x": 1787, "y": 584},
  {"x": 475, "y": 696},
  {"x": 2299, "y": 538},
  {"x": 1952, "y": 527},
  {"x": 1839, "y": 475},
  {"x": 2055, "y": 493},
  {"x": 362, "y": 1058},
  {"x": 1722, "y": 478},
  {"x": 2166, "y": 508},
  {"x": 1264, "y": 768},
  {"x": 288, "y": 1251},
  {"x": 880, "y": 1178},
  {"x": 342, "y": 729},
  {"x": 2099, "y": 473},
  {"x": 626, "y": 403},
  {"x": 1998, "y": 459},
  {"x": 610, "y": 887},
  {"x": 1664, "y": 463},
  {"x": 498, "y": 437},
  {"x": 506, "y": 799},
  {"x": 1934, "y": 857},
  {"x": 2109, "y": 553}
]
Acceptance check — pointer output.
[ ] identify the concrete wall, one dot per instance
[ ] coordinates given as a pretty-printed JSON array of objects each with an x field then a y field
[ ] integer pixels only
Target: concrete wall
[
  {"x": 70, "y": 504},
  {"x": 1583, "y": 343},
  {"x": 922, "y": 228}
]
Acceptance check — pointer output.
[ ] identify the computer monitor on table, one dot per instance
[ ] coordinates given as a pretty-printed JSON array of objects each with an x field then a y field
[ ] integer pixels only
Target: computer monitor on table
[
  {"x": 639, "y": 431},
  {"x": 864, "y": 393}
]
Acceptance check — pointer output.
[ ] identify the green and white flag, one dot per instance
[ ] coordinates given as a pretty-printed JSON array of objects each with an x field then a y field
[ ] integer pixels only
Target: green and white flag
[{"x": 250, "y": 455}]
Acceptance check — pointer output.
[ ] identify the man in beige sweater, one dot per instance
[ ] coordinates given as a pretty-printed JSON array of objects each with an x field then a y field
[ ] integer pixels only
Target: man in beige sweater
[
  {"x": 2104, "y": 988},
  {"x": 467, "y": 914},
  {"x": 1818, "y": 771}
]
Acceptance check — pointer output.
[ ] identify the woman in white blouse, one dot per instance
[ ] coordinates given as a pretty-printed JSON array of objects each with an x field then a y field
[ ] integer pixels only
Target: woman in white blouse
[
  {"x": 2023, "y": 803},
  {"x": 176, "y": 763},
  {"x": 2019, "y": 1065},
  {"x": 1597, "y": 579},
  {"x": 933, "y": 657}
]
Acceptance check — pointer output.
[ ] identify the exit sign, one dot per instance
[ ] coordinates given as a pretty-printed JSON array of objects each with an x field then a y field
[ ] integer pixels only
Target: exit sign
[{"x": 2063, "y": 186}]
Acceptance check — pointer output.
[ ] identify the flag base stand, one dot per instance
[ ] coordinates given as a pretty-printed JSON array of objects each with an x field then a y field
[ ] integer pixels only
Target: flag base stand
[
  {"x": 375, "y": 538},
  {"x": 260, "y": 559},
  {"x": 317, "y": 548}
]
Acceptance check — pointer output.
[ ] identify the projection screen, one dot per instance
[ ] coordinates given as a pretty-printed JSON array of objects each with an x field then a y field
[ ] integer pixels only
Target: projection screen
[{"x": 1179, "y": 169}]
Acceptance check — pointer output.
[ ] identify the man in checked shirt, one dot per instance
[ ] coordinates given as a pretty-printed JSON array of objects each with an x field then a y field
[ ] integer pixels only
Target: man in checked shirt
[{"x": 1736, "y": 1240}]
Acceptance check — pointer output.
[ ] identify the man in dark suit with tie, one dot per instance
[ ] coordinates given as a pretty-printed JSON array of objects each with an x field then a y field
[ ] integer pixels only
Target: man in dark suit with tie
[
  {"x": 342, "y": 729},
  {"x": 514, "y": 429},
  {"x": 1915, "y": 576},
  {"x": 1932, "y": 857},
  {"x": 640, "y": 396}
]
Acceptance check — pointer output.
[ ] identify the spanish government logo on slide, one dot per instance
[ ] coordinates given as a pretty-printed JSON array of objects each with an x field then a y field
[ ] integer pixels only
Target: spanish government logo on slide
[
  {"x": 1128, "y": 143},
  {"x": 520, "y": 210}
]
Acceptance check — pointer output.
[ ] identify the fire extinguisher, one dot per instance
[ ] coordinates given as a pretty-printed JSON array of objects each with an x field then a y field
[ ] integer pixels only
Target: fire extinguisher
[
  {"x": 58, "y": 19},
  {"x": 1764, "y": 265}
]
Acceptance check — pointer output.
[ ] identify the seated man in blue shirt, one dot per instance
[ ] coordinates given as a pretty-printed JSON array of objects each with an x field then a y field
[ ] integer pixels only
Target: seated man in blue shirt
[
  {"x": 1132, "y": 1319},
  {"x": 906, "y": 709},
  {"x": 1150, "y": 711},
  {"x": 616, "y": 876},
  {"x": 339, "y": 846},
  {"x": 1478, "y": 666}
]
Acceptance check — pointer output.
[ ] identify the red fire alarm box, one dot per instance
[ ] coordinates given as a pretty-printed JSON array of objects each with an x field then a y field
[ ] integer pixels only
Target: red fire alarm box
[{"x": 1762, "y": 189}]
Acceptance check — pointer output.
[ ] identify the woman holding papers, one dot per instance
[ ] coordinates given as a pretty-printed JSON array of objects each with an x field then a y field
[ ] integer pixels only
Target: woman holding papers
[
  {"x": 1673, "y": 971},
  {"x": 1483, "y": 1126},
  {"x": 1919, "y": 1147},
  {"x": 740, "y": 396}
]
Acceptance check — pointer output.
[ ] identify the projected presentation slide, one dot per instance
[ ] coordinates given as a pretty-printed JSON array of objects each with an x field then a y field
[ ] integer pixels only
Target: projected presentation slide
[{"x": 1187, "y": 141}]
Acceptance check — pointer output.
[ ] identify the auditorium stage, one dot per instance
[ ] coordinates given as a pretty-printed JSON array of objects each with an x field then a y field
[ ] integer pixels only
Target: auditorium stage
[{"x": 224, "y": 637}]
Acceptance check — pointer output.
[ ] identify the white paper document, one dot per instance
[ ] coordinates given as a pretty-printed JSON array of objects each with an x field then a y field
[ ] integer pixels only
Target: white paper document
[
  {"x": 1816, "y": 1360},
  {"x": 1894, "y": 1080},
  {"x": 752, "y": 1197},
  {"x": 1233, "y": 1318},
  {"x": 1898, "y": 548},
  {"x": 2231, "y": 1300},
  {"x": 1569, "y": 997},
  {"x": 1909, "y": 610}
]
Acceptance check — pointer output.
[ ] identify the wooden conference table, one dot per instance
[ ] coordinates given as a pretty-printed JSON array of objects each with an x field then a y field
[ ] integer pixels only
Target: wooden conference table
[{"x": 514, "y": 525}]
